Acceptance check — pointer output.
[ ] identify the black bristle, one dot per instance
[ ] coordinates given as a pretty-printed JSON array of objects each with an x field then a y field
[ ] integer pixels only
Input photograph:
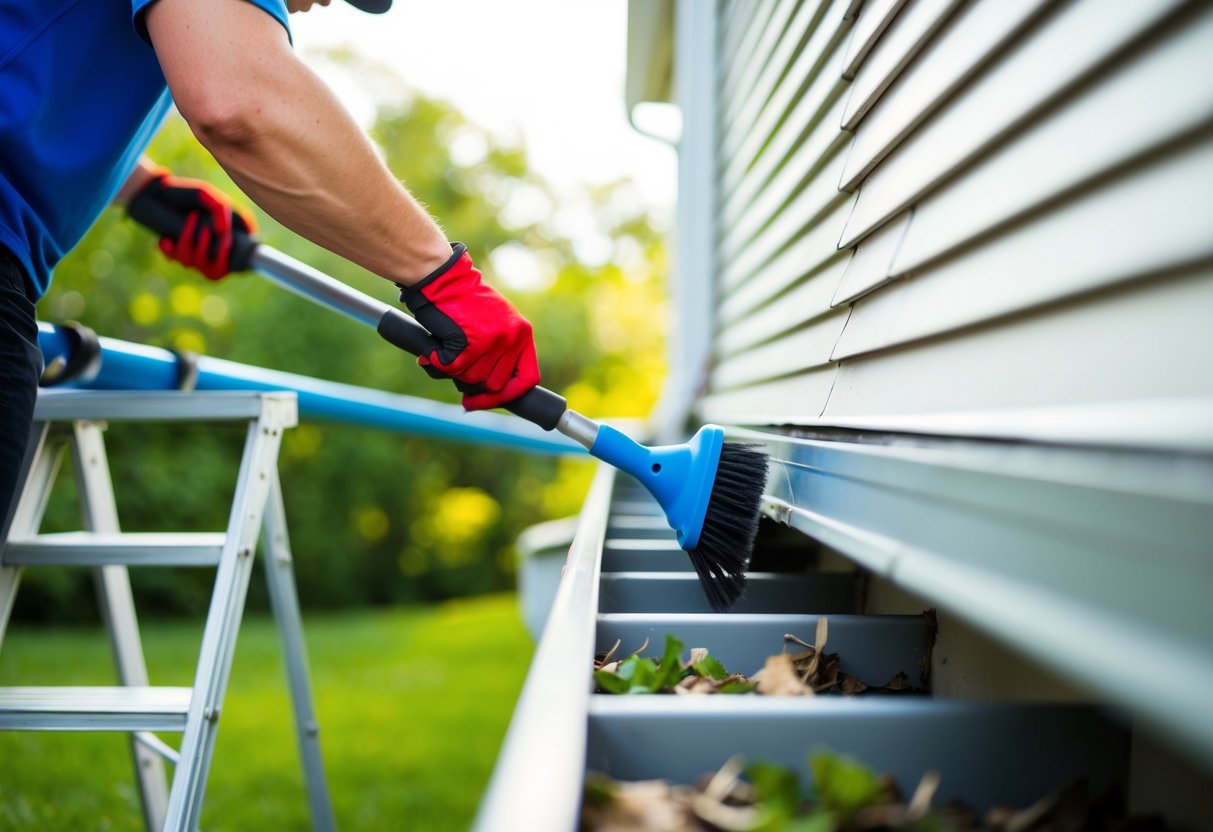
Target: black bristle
[{"x": 731, "y": 524}]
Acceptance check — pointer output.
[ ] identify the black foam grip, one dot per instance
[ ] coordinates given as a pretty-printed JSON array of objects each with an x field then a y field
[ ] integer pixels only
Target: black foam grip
[
  {"x": 166, "y": 222},
  {"x": 399, "y": 329},
  {"x": 538, "y": 405}
]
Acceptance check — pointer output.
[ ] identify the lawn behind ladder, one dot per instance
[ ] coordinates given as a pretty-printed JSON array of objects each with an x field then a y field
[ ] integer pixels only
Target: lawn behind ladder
[{"x": 412, "y": 704}]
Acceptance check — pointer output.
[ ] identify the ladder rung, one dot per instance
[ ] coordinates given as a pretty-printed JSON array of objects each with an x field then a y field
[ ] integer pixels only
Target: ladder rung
[
  {"x": 94, "y": 708},
  {"x": 130, "y": 549}
]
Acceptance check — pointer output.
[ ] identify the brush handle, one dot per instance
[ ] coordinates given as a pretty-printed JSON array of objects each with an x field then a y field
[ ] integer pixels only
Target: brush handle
[
  {"x": 538, "y": 405},
  {"x": 167, "y": 222}
]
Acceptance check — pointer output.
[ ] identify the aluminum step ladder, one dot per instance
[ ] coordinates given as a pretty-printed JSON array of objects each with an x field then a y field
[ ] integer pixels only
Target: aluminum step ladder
[{"x": 75, "y": 420}]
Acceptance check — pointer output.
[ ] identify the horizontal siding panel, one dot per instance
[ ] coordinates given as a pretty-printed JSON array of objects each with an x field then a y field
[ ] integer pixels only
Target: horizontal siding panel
[
  {"x": 806, "y": 124},
  {"x": 804, "y": 349},
  {"x": 785, "y": 34},
  {"x": 1167, "y": 424},
  {"x": 1158, "y": 218},
  {"x": 797, "y": 306},
  {"x": 810, "y": 253},
  {"x": 802, "y": 167},
  {"x": 1125, "y": 111},
  {"x": 943, "y": 67},
  {"x": 907, "y": 35},
  {"x": 874, "y": 18},
  {"x": 778, "y": 402},
  {"x": 872, "y": 264},
  {"x": 809, "y": 208},
  {"x": 741, "y": 25},
  {"x": 1149, "y": 340},
  {"x": 1055, "y": 56},
  {"x": 738, "y": 20},
  {"x": 798, "y": 96}
]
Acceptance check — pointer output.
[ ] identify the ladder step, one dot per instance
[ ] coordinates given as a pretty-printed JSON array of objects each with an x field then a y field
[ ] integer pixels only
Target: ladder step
[
  {"x": 94, "y": 708},
  {"x": 129, "y": 549}
]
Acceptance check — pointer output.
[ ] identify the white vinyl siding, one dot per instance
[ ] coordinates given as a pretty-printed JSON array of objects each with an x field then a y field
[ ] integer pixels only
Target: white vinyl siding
[{"x": 936, "y": 207}]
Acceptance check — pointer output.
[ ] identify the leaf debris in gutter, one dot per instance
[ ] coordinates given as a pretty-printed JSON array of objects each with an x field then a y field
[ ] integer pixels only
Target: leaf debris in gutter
[
  {"x": 805, "y": 672},
  {"x": 846, "y": 796}
]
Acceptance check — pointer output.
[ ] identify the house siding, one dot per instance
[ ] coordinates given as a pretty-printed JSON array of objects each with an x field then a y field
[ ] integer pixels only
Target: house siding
[{"x": 952, "y": 207}]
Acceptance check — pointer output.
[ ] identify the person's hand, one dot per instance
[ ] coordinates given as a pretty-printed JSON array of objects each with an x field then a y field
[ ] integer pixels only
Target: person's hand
[
  {"x": 210, "y": 222},
  {"x": 485, "y": 343}
]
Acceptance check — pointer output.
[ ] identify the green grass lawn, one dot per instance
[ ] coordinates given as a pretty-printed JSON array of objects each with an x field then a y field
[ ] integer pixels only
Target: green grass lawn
[{"x": 412, "y": 704}]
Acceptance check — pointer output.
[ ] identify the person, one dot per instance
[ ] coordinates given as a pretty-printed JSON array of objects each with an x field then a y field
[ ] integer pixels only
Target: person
[{"x": 84, "y": 86}]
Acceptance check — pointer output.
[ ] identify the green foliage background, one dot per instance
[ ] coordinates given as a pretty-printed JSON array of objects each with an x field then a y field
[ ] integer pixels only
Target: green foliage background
[{"x": 375, "y": 518}]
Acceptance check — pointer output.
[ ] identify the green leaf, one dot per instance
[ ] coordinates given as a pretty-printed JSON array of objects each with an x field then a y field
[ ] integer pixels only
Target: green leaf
[
  {"x": 844, "y": 784},
  {"x": 610, "y": 682},
  {"x": 640, "y": 673},
  {"x": 777, "y": 787},
  {"x": 820, "y": 820},
  {"x": 929, "y": 823},
  {"x": 669, "y": 672},
  {"x": 599, "y": 789},
  {"x": 738, "y": 687},
  {"x": 711, "y": 667}
]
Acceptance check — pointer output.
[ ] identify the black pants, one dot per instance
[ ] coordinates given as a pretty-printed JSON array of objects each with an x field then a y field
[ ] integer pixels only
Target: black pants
[{"x": 20, "y": 367}]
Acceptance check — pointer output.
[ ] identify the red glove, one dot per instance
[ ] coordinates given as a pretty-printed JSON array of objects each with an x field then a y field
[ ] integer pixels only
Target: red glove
[
  {"x": 210, "y": 221},
  {"x": 486, "y": 344}
]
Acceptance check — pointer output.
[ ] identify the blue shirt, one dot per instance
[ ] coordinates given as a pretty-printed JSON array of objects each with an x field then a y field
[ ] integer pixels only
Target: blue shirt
[{"x": 81, "y": 95}]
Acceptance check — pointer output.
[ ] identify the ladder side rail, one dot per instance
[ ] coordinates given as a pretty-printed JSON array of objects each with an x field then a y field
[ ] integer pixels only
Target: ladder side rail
[
  {"x": 284, "y": 601},
  {"x": 117, "y": 604},
  {"x": 227, "y": 604},
  {"x": 21, "y": 519}
]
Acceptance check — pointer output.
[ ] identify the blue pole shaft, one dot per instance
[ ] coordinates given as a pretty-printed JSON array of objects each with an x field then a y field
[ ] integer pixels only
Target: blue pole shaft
[{"x": 128, "y": 366}]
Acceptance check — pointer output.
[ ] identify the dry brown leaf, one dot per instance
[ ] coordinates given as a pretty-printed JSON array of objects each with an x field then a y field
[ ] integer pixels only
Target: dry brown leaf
[
  {"x": 898, "y": 682},
  {"x": 851, "y": 686},
  {"x": 920, "y": 802},
  {"x": 722, "y": 782},
  {"x": 610, "y": 653},
  {"x": 779, "y": 678},
  {"x": 808, "y": 671},
  {"x": 795, "y": 639},
  {"x": 724, "y": 817},
  {"x": 644, "y": 806},
  {"x": 823, "y": 631}
]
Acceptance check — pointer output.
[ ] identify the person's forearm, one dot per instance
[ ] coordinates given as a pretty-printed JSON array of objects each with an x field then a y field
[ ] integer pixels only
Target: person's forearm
[
  {"x": 140, "y": 176},
  {"x": 287, "y": 142}
]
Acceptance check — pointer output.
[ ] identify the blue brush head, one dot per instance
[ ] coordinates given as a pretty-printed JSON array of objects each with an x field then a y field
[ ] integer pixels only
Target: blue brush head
[{"x": 681, "y": 477}]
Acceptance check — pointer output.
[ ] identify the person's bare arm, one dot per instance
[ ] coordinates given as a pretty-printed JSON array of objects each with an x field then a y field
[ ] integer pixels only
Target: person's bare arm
[
  {"x": 286, "y": 140},
  {"x": 140, "y": 176}
]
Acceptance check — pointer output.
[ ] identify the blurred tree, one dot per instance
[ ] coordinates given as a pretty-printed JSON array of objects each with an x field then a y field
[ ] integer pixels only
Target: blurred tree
[{"x": 375, "y": 518}]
